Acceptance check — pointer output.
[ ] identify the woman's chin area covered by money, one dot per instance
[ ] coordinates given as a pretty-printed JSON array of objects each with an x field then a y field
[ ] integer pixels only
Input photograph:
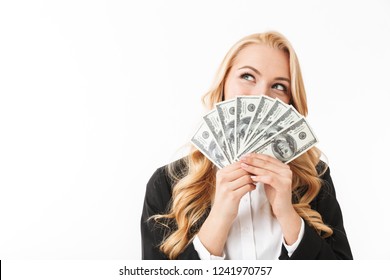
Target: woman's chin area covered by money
[{"x": 253, "y": 185}]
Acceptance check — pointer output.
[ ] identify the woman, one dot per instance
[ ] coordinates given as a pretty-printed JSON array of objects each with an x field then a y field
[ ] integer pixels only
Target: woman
[{"x": 257, "y": 207}]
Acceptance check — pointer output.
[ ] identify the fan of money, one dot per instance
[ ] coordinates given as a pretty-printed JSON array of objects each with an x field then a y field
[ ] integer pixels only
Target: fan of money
[{"x": 253, "y": 124}]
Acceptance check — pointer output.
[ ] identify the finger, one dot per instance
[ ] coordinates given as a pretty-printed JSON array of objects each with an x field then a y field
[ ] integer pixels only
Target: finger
[
  {"x": 253, "y": 170},
  {"x": 265, "y": 179},
  {"x": 266, "y": 162},
  {"x": 229, "y": 176},
  {"x": 265, "y": 158},
  {"x": 276, "y": 182},
  {"x": 240, "y": 182},
  {"x": 228, "y": 169},
  {"x": 240, "y": 192},
  {"x": 231, "y": 167}
]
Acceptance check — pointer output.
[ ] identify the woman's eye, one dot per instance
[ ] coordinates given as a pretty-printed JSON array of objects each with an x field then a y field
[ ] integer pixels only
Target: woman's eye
[
  {"x": 248, "y": 77},
  {"x": 279, "y": 87}
]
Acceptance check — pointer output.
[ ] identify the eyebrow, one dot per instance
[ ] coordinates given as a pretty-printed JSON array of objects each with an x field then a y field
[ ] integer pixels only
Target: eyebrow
[{"x": 258, "y": 73}]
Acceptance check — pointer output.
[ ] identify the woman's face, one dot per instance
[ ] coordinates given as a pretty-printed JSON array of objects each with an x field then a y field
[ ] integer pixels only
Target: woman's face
[{"x": 259, "y": 70}]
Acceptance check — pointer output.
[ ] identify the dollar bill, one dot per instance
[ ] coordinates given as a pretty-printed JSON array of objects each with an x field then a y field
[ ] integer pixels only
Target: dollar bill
[
  {"x": 214, "y": 124},
  {"x": 265, "y": 103},
  {"x": 287, "y": 118},
  {"x": 245, "y": 110},
  {"x": 227, "y": 115},
  {"x": 253, "y": 124},
  {"x": 277, "y": 109},
  {"x": 204, "y": 141},
  {"x": 290, "y": 143}
]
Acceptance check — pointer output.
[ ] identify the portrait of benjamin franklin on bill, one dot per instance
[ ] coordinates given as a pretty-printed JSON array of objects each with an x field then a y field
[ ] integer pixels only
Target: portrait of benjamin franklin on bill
[{"x": 284, "y": 147}]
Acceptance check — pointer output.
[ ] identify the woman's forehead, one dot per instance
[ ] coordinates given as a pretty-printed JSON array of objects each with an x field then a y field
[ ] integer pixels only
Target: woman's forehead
[{"x": 263, "y": 58}]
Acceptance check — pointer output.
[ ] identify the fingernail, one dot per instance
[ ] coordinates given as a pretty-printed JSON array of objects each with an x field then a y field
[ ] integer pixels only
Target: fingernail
[{"x": 244, "y": 156}]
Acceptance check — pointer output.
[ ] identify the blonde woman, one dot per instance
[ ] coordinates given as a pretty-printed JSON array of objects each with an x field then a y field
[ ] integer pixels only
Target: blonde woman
[{"x": 258, "y": 207}]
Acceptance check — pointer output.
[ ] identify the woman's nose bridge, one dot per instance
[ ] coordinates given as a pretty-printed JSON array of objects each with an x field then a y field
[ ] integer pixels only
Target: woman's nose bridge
[{"x": 261, "y": 88}]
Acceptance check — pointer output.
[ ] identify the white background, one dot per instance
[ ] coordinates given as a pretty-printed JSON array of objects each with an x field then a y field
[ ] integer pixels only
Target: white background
[{"x": 95, "y": 95}]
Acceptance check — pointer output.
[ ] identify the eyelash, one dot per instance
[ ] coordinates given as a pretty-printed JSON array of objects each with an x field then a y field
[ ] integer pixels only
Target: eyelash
[
  {"x": 284, "y": 87},
  {"x": 246, "y": 74},
  {"x": 242, "y": 76}
]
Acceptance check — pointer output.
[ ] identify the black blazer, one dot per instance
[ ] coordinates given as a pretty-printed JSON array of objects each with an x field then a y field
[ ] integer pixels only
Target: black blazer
[{"x": 158, "y": 195}]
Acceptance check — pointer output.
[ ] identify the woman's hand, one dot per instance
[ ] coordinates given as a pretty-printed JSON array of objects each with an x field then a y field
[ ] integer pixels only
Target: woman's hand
[
  {"x": 232, "y": 183},
  {"x": 277, "y": 179}
]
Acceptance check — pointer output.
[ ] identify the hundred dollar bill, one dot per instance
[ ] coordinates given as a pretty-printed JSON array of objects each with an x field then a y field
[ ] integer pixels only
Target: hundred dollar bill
[
  {"x": 227, "y": 116},
  {"x": 245, "y": 109},
  {"x": 214, "y": 124},
  {"x": 290, "y": 143},
  {"x": 287, "y": 118},
  {"x": 204, "y": 141},
  {"x": 277, "y": 109},
  {"x": 265, "y": 103}
]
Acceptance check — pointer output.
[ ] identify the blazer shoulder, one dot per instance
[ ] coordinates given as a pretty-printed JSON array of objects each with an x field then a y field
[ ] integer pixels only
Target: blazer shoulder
[
  {"x": 327, "y": 187},
  {"x": 159, "y": 187}
]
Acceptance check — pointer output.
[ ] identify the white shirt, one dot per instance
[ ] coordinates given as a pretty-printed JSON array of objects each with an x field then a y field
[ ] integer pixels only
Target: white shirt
[{"x": 255, "y": 233}]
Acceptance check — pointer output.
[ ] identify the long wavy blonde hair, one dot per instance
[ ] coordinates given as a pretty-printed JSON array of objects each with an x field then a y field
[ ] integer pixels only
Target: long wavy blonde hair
[{"x": 194, "y": 179}]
